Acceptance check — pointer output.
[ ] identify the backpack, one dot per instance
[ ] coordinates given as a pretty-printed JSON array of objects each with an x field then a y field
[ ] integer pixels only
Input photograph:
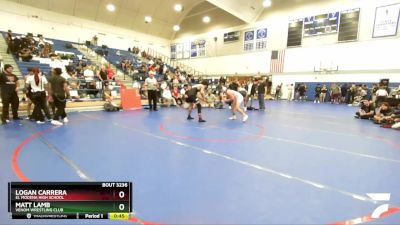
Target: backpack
[{"x": 110, "y": 107}]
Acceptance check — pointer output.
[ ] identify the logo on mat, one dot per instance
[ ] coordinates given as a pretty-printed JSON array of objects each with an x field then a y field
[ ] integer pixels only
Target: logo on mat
[{"x": 382, "y": 208}]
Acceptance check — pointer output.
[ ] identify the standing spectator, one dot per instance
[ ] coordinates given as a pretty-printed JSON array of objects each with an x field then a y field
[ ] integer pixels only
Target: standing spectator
[
  {"x": 28, "y": 95},
  {"x": 234, "y": 85},
  {"x": 302, "y": 92},
  {"x": 94, "y": 40},
  {"x": 322, "y": 96},
  {"x": 9, "y": 87},
  {"x": 290, "y": 92},
  {"x": 58, "y": 93},
  {"x": 38, "y": 85},
  {"x": 151, "y": 85},
  {"x": 335, "y": 93},
  {"x": 278, "y": 91},
  {"x": 375, "y": 88},
  {"x": 102, "y": 75},
  {"x": 343, "y": 90},
  {"x": 381, "y": 95},
  {"x": 9, "y": 41},
  {"x": 317, "y": 95},
  {"x": 353, "y": 92},
  {"x": 261, "y": 94},
  {"x": 252, "y": 90}
]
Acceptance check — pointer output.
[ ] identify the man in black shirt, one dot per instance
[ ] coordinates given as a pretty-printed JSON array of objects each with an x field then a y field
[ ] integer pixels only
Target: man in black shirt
[
  {"x": 58, "y": 93},
  {"x": 9, "y": 86},
  {"x": 261, "y": 93},
  {"x": 367, "y": 110}
]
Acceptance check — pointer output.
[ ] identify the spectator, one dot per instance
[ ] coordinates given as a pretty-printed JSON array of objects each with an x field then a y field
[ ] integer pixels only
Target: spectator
[
  {"x": 234, "y": 85},
  {"x": 58, "y": 93},
  {"x": 9, "y": 41},
  {"x": 366, "y": 111},
  {"x": 353, "y": 92},
  {"x": 322, "y": 96},
  {"x": 177, "y": 96},
  {"x": 38, "y": 84},
  {"x": 210, "y": 100},
  {"x": 302, "y": 92},
  {"x": 167, "y": 97},
  {"x": 383, "y": 113},
  {"x": 381, "y": 95},
  {"x": 375, "y": 88},
  {"x": 88, "y": 74},
  {"x": 9, "y": 87},
  {"x": 25, "y": 55},
  {"x": 290, "y": 92},
  {"x": 102, "y": 75},
  {"x": 317, "y": 95},
  {"x": 94, "y": 40},
  {"x": 335, "y": 93},
  {"x": 343, "y": 91},
  {"x": 28, "y": 94},
  {"x": 110, "y": 73},
  {"x": 261, "y": 94},
  {"x": 278, "y": 91}
]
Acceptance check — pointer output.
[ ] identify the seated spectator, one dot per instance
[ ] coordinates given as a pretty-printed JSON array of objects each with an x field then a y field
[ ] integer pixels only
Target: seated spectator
[
  {"x": 88, "y": 74},
  {"x": 110, "y": 73},
  {"x": 177, "y": 96},
  {"x": 366, "y": 111},
  {"x": 381, "y": 95},
  {"x": 25, "y": 55},
  {"x": 167, "y": 97},
  {"x": 383, "y": 114},
  {"x": 210, "y": 100}
]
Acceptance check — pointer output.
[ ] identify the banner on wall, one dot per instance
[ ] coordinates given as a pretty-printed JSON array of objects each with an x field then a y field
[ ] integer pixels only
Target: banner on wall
[
  {"x": 198, "y": 48},
  {"x": 173, "y": 51},
  {"x": 248, "y": 44},
  {"x": 386, "y": 21},
  {"x": 255, "y": 39},
  {"x": 188, "y": 50}
]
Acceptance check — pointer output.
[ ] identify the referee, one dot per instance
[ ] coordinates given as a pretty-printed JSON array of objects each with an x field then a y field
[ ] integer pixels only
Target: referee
[{"x": 151, "y": 85}]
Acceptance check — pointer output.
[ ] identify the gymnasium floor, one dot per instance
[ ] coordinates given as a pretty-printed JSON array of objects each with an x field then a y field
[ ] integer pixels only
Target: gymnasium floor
[{"x": 295, "y": 163}]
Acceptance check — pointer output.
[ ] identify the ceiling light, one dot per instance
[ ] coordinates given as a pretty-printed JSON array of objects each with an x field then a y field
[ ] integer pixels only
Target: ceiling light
[
  {"x": 147, "y": 19},
  {"x": 267, "y": 3},
  {"x": 178, "y": 7},
  {"x": 176, "y": 28},
  {"x": 206, "y": 19},
  {"x": 110, "y": 7}
]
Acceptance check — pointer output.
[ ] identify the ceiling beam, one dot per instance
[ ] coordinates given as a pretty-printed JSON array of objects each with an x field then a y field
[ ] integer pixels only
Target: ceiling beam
[{"x": 243, "y": 10}]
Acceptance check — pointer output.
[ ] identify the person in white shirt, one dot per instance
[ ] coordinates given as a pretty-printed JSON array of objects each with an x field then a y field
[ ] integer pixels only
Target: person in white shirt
[
  {"x": 290, "y": 92},
  {"x": 38, "y": 84},
  {"x": 167, "y": 97},
  {"x": 88, "y": 74},
  {"x": 151, "y": 85},
  {"x": 381, "y": 95}
]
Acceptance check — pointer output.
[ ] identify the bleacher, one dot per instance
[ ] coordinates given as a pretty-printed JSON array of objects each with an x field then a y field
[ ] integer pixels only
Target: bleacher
[
  {"x": 44, "y": 64},
  {"x": 23, "y": 66}
]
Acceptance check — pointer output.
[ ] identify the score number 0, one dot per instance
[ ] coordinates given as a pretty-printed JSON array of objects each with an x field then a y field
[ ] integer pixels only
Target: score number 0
[{"x": 121, "y": 195}]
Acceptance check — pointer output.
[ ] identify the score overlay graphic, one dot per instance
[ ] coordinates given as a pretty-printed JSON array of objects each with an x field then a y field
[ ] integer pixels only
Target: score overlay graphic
[{"x": 70, "y": 200}]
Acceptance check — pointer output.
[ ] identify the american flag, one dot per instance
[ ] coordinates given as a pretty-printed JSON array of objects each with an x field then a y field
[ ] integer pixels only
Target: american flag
[{"x": 277, "y": 61}]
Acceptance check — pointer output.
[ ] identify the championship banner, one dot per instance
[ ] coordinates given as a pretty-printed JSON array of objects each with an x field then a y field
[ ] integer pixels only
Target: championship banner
[{"x": 386, "y": 21}]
